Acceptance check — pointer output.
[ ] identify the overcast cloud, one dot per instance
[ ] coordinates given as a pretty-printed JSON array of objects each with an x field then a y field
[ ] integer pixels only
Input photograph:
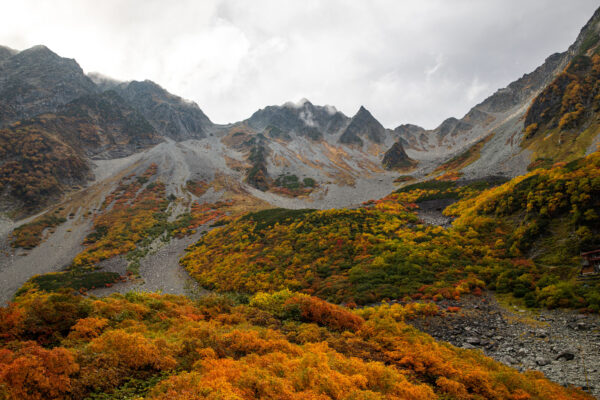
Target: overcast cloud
[{"x": 407, "y": 61}]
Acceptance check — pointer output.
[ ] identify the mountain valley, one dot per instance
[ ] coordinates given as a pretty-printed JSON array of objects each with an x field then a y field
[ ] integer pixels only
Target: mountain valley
[{"x": 147, "y": 252}]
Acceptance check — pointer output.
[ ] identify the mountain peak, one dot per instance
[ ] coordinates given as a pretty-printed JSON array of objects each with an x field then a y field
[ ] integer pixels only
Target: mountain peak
[
  {"x": 408, "y": 129},
  {"x": 38, "y": 51},
  {"x": 363, "y": 125},
  {"x": 40, "y": 47},
  {"x": 44, "y": 81},
  {"x": 302, "y": 118}
]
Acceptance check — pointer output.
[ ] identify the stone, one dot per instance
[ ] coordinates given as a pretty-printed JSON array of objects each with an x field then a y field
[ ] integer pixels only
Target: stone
[
  {"x": 473, "y": 340},
  {"x": 508, "y": 360},
  {"x": 541, "y": 361},
  {"x": 567, "y": 355},
  {"x": 582, "y": 326}
]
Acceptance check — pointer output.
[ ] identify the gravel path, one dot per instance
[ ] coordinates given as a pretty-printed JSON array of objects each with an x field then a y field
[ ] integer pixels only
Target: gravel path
[{"x": 159, "y": 270}]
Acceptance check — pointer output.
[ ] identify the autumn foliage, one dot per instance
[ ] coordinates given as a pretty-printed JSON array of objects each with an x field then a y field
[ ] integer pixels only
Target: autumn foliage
[
  {"x": 362, "y": 255},
  {"x": 550, "y": 215},
  {"x": 522, "y": 237},
  {"x": 283, "y": 345}
]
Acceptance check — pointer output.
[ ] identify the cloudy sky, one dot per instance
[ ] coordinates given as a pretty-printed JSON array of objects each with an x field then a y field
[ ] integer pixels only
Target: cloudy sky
[{"x": 415, "y": 61}]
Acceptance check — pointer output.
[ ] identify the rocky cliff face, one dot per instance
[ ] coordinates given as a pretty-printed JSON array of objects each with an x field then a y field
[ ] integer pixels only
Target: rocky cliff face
[
  {"x": 363, "y": 126},
  {"x": 170, "y": 115},
  {"x": 100, "y": 126},
  {"x": 37, "y": 80}
]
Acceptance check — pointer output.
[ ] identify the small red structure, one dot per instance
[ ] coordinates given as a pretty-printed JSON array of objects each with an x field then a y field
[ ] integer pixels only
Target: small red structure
[{"x": 590, "y": 264}]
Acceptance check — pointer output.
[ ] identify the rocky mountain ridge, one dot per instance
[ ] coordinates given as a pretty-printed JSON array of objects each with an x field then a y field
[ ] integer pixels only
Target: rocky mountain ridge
[
  {"x": 502, "y": 114},
  {"x": 101, "y": 118},
  {"x": 170, "y": 115}
]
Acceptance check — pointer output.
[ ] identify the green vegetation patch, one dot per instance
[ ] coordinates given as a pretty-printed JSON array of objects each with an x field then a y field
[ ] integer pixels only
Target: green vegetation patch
[
  {"x": 272, "y": 216},
  {"x": 70, "y": 279}
]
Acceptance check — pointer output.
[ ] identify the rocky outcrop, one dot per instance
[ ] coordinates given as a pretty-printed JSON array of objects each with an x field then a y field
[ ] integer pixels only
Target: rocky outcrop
[
  {"x": 37, "y": 80},
  {"x": 363, "y": 126},
  {"x": 257, "y": 175},
  {"x": 170, "y": 115},
  {"x": 396, "y": 158},
  {"x": 411, "y": 136}
]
